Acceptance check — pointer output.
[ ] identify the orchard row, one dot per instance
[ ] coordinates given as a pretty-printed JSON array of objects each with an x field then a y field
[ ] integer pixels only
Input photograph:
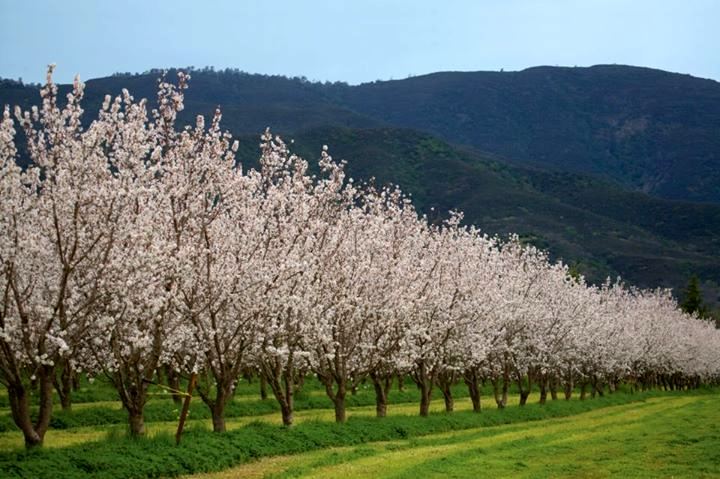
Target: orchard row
[{"x": 129, "y": 245}]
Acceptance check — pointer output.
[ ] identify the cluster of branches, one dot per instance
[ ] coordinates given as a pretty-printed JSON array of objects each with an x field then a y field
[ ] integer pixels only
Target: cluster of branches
[{"x": 131, "y": 246}]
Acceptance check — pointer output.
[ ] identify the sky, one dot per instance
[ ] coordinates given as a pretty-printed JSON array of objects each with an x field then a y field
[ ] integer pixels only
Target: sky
[{"x": 354, "y": 41}]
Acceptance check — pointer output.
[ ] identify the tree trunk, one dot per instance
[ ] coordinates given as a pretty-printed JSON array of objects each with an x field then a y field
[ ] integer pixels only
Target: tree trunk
[
  {"x": 401, "y": 382},
  {"x": 471, "y": 380},
  {"x": 288, "y": 405},
  {"x": 218, "y": 414},
  {"x": 445, "y": 380},
  {"x": 425, "y": 397},
  {"x": 339, "y": 402},
  {"x": 217, "y": 407},
  {"x": 337, "y": 397},
  {"x": 569, "y": 386},
  {"x": 598, "y": 388},
  {"x": 425, "y": 382},
  {"x": 583, "y": 391},
  {"x": 173, "y": 380},
  {"x": 281, "y": 378},
  {"x": 64, "y": 385},
  {"x": 284, "y": 395},
  {"x": 133, "y": 394},
  {"x": 382, "y": 387},
  {"x": 19, "y": 398},
  {"x": 136, "y": 422},
  {"x": 447, "y": 396},
  {"x": 501, "y": 397},
  {"x": 223, "y": 392},
  {"x": 263, "y": 387},
  {"x": 543, "y": 390},
  {"x": 287, "y": 414},
  {"x": 554, "y": 388},
  {"x": 524, "y": 393}
]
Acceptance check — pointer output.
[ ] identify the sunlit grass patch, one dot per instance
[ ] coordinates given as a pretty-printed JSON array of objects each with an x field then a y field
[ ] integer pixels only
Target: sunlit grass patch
[{"x": 633, "y": 440}]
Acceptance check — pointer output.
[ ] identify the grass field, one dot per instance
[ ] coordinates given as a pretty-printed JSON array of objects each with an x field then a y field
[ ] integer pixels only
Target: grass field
[
  {"x": 662, "y": 437},
  {"x": 655, "y": 434}
]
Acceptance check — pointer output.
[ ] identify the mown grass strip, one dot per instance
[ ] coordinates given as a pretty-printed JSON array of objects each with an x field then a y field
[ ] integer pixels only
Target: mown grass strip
[
  {"x": 663, "y": 437},
  {"x": 202, "y": 451}
]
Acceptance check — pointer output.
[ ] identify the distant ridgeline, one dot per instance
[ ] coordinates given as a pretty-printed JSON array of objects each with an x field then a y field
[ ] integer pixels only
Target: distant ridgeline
[{"x": 616, "y": 169}]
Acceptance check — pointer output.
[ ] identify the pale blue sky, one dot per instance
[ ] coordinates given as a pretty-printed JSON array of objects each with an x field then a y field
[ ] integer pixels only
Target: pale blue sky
[{"x": 355, "y": 41}]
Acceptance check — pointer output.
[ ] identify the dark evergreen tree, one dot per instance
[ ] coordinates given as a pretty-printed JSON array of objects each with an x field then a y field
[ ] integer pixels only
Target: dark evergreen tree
[{"x": 692, "y": 298}]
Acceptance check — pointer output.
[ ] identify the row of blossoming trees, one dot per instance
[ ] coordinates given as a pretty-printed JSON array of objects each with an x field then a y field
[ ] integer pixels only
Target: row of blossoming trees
[{"x": 128, "y": 246}]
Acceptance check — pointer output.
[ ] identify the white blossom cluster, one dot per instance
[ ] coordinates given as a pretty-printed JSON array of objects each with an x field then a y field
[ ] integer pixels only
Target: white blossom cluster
[{"x": 130, "y": 244}]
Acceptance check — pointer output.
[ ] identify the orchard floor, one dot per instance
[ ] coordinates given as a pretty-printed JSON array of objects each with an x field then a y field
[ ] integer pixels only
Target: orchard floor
[
  {"x": 653, "y": 434},
  {"x": 65, "y": 437},
  {"x": 662, "y": 437}
]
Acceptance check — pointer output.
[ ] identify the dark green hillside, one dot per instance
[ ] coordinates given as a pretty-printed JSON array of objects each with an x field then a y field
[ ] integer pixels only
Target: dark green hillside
[{"x": 651, "y": 130}]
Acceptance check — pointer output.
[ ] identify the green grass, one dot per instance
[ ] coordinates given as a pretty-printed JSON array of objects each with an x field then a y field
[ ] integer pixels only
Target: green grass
[
  {"x": 424, "y": 441},
  {"x": 662, "y": 437},
  {"x": 69, "y": 436}
]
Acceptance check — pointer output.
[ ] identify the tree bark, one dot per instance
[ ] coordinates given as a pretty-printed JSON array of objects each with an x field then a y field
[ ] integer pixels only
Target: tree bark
[
  {"x": 136, "y": 421},
  {"x": 217, "y": 406},
  {"x": 524, "y": 393},
  {"x": 569, "y": 386},
  {"x": 339, "y": 403},
  {"x": 445, "y": 381},
  {"x": 474, "y": 390},
  {"x": 543, "y": 390},
  {"x": 501, "y": 396},
  {"x": 173, "y": 380},
  {"x": 425, "y": 397},
  {"x": 425, "y": 381},
  {"x": 447, "y": 396},
  {"x": 263, "y": 387},
  {"x": 554, "y": 388},
  {"x": 19, "y": 398},
  {"x": 284, "y": 393},
  {"x": 337, "y": 397},
  {"x": 382, "y": 387},
  {"x": 64, "y": 386},
  {"x": 281, "y": 378},
  {"x": 218, "y": 415},
  {"x": 287, "y": 414}
]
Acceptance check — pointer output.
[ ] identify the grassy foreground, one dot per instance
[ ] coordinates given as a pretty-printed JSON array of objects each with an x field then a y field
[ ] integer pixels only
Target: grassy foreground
[
  {"x": 661, "y": 437},
  {"x": 652, "y": 434}
]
